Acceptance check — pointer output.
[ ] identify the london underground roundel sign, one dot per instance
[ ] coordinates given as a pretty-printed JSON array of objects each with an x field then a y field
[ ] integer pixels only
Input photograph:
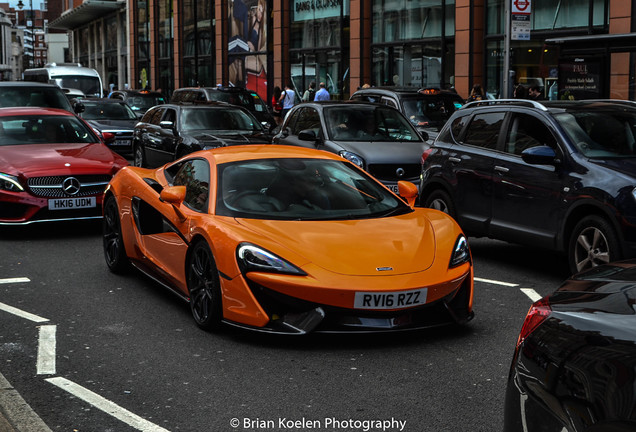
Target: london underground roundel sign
[{"x": 520, "y": 6}]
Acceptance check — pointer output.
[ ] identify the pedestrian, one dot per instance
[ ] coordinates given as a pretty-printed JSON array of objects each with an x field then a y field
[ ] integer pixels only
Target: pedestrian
[
  {"x": 322, "y": 94},
  {"x": 276, "y": 105},
  {"x": 520, "y": 92},
  {"x": 287, "y": 99},
  {"x": 476, "y": 94},
  {"x": 310, "y": 93},
  {"x": 534, "y": 93}
]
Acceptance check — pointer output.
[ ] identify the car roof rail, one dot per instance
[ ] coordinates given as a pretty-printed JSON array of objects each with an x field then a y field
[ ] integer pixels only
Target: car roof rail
[
  {"x": 616, "y": 101},
  {"x": 518, "y": 102}
]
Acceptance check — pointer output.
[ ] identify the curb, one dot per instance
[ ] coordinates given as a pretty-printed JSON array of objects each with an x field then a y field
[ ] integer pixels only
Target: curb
[{"x": 15, "y": 414}]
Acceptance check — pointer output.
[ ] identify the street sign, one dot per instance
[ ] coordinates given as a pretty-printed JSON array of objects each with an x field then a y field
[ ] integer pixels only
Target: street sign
[
  {"x": 520, "y": 27},
  {"x": 521, "y": 7}
]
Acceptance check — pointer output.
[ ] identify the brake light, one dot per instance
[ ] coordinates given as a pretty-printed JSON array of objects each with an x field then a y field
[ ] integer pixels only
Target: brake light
[
  {"x": 538, "y": 313},
  {"x": 426, "y": 154}
]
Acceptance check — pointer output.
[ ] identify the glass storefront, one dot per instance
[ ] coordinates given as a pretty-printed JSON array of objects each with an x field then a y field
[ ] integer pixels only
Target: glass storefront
[
  {"x": 165, "y": 40},
  {"x": 320, "y": 46},
  {"x": 532, "y": 62},
  {"x": 198, "y": 51},
  {"x": 142, "y": 80},
  {"x": 413, "y": 43}
]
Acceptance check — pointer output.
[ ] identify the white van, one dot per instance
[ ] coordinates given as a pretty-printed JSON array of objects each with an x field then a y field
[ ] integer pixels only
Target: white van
[{"x": 68, "y": 76}]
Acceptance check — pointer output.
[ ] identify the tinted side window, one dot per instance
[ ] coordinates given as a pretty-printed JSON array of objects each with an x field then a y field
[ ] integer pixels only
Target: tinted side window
[
  {"x": 195, "y": 176},
  {"x": 527, "y": 131},
  {"x": 148, "y": 115},
  {"x": 484, "y": 129},
  {"x": 307, "y": 119},
  {"x": 155, "y": 118}
]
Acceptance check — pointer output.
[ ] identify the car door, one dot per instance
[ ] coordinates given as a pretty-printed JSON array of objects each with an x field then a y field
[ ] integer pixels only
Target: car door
[
  {"x": 165, "y": 230},
  {"x": 527, "y": 198},
  {"x": 162, "y": 138},
  {"x": 469, "y": 165},
  {"x": 303, "y": 119}
]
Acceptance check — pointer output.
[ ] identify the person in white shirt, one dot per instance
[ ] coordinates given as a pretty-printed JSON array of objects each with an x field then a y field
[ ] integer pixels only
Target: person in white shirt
[{"x": 287, "y": 99}]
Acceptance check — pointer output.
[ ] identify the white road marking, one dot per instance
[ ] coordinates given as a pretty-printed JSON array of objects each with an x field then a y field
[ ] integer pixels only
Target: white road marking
[
  {"x": 105, "y": 405},
  {"x": 490, "y": 281},
  {"x": 14, "y": 280},
  {"x": 21, "y": 313},
  {"x": 532, "y": 294},
  {"x": 46, "y": 350}
]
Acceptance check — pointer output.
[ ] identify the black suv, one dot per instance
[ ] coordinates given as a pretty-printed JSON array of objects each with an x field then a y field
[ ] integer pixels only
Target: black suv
[
  {"x": 240, "y": 96},
  {"x": 35, "y": 94},
  {"x": 558, "y": 174},
  {"x": 168, "y": 132},
  {"x": 427, "y": 109}
]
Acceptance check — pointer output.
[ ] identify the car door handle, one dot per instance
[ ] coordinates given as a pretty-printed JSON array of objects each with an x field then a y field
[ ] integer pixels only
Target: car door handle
[
  {"x": 501, "y": 169},
  {"x": 454, "y": 159}
]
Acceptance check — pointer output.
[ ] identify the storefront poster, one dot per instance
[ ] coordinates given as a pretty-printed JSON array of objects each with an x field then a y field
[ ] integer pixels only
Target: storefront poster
[{"x": 247, "y": 46}]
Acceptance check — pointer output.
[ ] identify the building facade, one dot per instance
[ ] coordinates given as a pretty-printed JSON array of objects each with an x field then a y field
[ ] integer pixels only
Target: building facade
[{"x": 573, "y": 49}]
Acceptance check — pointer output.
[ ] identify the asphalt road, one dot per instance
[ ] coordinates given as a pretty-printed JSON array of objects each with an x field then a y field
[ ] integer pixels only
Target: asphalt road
[{"x": 127, "y": 356}]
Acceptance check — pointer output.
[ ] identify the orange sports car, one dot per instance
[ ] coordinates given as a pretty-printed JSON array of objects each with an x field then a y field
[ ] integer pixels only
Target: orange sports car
[{"x": 288, "y": 240}]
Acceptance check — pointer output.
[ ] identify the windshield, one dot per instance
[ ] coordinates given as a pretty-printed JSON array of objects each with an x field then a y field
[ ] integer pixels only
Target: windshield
[
  {"x": 601, "y": 133},
  {"x": 90, "y": 86},
  {"x": 428, "y": 111},
  {"x": 46, "y": 97},
  {"x": 28, "y": 129},
  {"x": 361, "y": 122},
  {"x": 218, "y": 119},
  {"x": 143, "y": 102},
  {"x": 309, "y": 189},
  {"x": 251, "y": 101},
  {"x": 107, "y": 111}
]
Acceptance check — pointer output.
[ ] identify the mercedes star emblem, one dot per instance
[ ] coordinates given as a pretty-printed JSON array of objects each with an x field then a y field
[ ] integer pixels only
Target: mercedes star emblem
[{"x": 71, "y": 186}]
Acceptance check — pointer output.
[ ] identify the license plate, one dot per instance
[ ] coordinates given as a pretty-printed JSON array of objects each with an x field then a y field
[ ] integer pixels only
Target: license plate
[
  {"x": 392, "y": 300},
  {"x": 394, "y": 188},
  {"x": 72, "y": 203},
  {"x": 121, "y": 142}
]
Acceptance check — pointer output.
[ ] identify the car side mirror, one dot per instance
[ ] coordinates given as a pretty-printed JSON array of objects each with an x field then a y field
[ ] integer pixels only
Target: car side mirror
[
  {"x": 108, "y": 137},
  {"x": 166, "y": 124},
  {"x": 307, "y": 135},
  {"x": 408, "y": 191},
  {"x": 78, "y": 107},
  {"x": 539, "y": 155},
  {"x": 174, "y": 195}
]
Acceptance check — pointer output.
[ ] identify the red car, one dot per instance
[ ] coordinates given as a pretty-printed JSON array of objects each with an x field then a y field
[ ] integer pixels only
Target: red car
[{"x": 52, "y": 167}]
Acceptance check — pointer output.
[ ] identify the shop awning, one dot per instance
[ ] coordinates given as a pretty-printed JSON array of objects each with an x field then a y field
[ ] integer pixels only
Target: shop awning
[
  {"x": 611, "y": 42},
  {"x": 85, "y": 13}
]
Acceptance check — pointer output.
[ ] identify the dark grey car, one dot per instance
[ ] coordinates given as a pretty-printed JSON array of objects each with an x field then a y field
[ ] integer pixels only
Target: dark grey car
[
  {"x": 377, "y": 138},
  {"x": 27, "y": 93},
  {"x": 113, "y": 116}
]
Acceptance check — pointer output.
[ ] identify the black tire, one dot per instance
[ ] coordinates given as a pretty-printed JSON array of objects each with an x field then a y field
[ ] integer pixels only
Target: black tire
[
  {"x": 593, "y": 242},
  {"x": 114, "y": 249},
  {"x": 139, "y": 158},
  {"x": 204, "y": 287},
  {"x": 440, "y": 200}
]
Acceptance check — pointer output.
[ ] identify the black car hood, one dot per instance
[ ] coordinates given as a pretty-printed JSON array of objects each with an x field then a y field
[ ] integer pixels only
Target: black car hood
[
  {"x": 104, "y": 124},
  {"x": 226, "y": 138},
  {"x": 625, "y": 166}
]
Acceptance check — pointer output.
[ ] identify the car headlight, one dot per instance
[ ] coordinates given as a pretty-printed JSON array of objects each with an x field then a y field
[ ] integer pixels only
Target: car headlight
[
  {"x": 461, "y": 252},
  {"x": 254, "y": 258},
  {"x": 352, "y": 157},
  {"x": 10, "y": 183}
]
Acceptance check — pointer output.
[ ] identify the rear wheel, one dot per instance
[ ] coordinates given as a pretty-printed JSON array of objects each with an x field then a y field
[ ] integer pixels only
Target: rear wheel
[
  {"x": 139, "y": 159},
  {"x": 114, "y": 251},
  {"x": 204, "y": 287},
  {"x": 440, "y": 200},
  {"x": 593, "y": 242}
]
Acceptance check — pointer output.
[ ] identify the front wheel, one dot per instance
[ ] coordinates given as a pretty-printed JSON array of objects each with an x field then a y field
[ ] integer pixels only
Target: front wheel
[
  {"x": 114, "y": 251},
  {"x": 440, "y": 200},
  {"x": 204, "y": 287},
  {"x": 139, "y": 159},
  {"x": 593, "y": 242}
]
